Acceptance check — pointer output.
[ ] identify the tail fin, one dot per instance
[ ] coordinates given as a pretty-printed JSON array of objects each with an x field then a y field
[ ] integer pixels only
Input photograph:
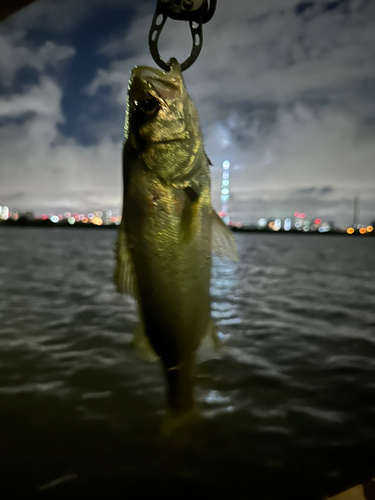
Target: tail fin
[
  {"x": 180, "y": 399},
  {"x": 173, "y": 424}
]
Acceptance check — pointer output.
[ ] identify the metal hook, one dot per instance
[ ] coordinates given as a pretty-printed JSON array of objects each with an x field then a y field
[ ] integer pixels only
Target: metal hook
[{"x": 195, "y": 11}]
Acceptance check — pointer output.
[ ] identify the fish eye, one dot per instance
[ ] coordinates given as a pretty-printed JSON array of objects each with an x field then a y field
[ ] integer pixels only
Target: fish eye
[{"x": 149, "y": 106}]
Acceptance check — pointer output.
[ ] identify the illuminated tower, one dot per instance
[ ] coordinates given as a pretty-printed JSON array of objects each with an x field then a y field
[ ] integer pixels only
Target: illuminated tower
[
  {"x": 355, "y": 211},
  {"x": 225, "y": 191}
]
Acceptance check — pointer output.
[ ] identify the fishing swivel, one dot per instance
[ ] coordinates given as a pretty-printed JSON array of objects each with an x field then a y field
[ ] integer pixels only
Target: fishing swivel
[{"x": 197, "y": 12}]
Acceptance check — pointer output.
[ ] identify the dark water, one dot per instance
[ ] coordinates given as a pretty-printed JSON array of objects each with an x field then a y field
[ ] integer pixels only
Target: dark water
[{"x": 290, "y": 407}]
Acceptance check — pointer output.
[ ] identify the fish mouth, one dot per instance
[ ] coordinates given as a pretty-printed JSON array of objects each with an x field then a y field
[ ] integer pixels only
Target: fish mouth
[
  {"x": 158, "y": 74},
  {"x": 149, "y": 82}
]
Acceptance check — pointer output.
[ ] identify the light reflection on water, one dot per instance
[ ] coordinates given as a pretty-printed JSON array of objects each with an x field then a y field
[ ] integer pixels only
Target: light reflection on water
[{"x": 292, "y": 395}]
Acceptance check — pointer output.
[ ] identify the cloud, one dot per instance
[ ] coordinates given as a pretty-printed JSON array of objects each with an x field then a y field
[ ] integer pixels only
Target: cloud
[
  {"x": 41, "y": 168},
  {"x": 258, "y": 52},
  {"x": 283, "y": 91},
  {"x": 15, "y": 54},
  {"x": 42, "y": 100},
  {"x": 313, "y": 191},
  {"x": 60, "y": 16}
]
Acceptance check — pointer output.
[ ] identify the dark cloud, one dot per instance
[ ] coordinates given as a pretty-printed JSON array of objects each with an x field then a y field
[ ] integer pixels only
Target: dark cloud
[
  {"x": 312, "y": 191},
  {"x": 327, "y": 6},
  {"x": 305, "y": 192},
  {"x": 326, "y": 190},
  {"x": 301, "y": 7}
]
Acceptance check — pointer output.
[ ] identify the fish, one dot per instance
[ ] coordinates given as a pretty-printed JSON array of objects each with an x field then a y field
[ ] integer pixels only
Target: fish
[{"x": 168, "y": 231}]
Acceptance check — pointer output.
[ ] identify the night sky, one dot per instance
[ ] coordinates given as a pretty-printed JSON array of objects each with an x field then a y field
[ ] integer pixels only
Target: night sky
[{"x": 284, "y": 90}]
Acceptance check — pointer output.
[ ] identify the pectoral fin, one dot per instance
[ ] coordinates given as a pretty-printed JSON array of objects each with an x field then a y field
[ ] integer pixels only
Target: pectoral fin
[
  {"x": 124, "y": 276},
  {"x": 223, "y": 243},
  {"x": 210, "y": 346},
  {"x": 142, "y": 345}
]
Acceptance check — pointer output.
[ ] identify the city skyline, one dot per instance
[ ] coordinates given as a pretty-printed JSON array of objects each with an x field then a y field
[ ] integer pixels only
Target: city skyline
[{"x": 297, "y": 221}]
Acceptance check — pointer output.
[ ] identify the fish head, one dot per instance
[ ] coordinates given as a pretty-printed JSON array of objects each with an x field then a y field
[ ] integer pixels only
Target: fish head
[{"x": 160, "y": 111}]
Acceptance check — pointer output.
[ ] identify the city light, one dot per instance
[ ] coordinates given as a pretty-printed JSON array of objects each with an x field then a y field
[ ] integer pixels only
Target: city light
[
  {"x": 297, "y": 224},
  {"x": 97, "y": 221},
  {"x": 4, "y": 213},
  {"x": 287, "y": 224},
  {"x": 262, "y": 222},
  {"x": 14, "y": 214},
  {"x": 225, "y": 191},
  {"x": 74, "y": 218}
]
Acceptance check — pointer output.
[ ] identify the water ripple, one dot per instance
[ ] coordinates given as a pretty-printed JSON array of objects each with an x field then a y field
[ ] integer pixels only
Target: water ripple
[{"x": 293, "y": 391}]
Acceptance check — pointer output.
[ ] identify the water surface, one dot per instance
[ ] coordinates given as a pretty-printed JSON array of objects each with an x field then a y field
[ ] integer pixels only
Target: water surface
[{"x": 289, "y": 408}]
